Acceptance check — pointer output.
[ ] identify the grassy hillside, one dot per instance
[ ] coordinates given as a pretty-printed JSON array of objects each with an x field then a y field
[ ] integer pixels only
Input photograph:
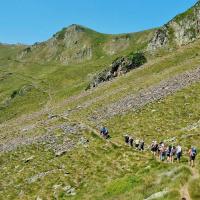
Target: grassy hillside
[
  {"x": 100, "y": 169},
  {"x": 50, "y": 146},
  {"x": 29, "y": 84}
]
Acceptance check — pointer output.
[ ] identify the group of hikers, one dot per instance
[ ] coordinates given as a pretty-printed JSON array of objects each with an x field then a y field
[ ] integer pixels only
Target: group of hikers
[
  {"x": 172, "y": 152},
  {"x": 137, "y": 143},
  {"x": 160, "y": 150},
  {"x": 166, "y": 152}
]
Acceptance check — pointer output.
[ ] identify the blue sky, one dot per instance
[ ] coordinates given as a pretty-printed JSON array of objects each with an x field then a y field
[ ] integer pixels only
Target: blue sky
[{"x": 29, "y": 21}]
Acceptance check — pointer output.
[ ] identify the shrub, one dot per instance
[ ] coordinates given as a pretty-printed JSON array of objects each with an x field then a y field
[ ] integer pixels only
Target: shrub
[{"x": 138, "y": 59}]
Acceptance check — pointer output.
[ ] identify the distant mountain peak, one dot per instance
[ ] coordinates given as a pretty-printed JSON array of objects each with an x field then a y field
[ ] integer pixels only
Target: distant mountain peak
[{"x": 75, "y": 28}]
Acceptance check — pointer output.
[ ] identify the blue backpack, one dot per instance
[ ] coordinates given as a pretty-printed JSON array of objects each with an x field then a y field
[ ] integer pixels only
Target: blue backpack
[{"x": 194, "y": 152}]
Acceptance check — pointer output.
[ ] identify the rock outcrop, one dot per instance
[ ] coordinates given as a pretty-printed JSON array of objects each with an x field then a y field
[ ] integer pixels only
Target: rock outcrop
[
  {"x": 160, "y": 39},
  {"x": 181, "y": 30},
  {"x": 119, "y": 67}
]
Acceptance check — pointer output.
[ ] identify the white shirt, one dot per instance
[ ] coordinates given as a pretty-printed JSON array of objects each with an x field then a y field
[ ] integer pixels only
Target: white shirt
[{"x": 178, "y": 149}]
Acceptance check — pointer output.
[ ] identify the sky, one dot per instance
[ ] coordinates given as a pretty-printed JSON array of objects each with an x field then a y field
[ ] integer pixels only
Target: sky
[{"x": 30, "y": 21}]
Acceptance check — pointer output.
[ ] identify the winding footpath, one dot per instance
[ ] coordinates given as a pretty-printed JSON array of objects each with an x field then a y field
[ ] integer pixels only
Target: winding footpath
[{"x": 184, "y": 192}]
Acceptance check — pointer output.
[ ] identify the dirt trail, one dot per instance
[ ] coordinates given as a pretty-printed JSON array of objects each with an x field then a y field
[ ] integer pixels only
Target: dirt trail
[
  {"x": 94, "y": 130},
  {"x": 184, "y": 189},
  {"x": 184, "y": 192}
]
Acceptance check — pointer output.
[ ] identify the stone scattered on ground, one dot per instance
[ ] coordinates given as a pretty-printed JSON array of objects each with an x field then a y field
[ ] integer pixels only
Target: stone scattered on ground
[
  {"x": 48, "y": 138},
  {"x": 170, "y": 140},
  {"x": 52, "y": 116},
  {"x": 60, "y": 149},
  {"x": 157, "y": 195},
  {"x": 28, "y": 159},
  {"x": 192, "y": 126},
  {"x": 70, "y": 129},
  {"x": 38, "y": 176},
  {"x": 69, "y": 190},
  {"x": 33, "y": 179},
  {"x": 149, "y": 95}
]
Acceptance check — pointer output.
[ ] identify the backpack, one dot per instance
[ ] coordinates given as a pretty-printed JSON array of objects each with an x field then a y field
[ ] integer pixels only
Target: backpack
[{"x": 193, "y": 152}]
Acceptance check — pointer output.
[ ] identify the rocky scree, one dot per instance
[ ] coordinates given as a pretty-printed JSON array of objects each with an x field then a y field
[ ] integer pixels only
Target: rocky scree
[{"x": 146, "y": 96}]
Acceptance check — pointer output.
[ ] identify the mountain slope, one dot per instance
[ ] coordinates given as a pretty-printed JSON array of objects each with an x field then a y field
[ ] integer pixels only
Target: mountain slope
[
  {"x": 38, "y": 74},
  {"x": 106, "y": 172},
  {"x": 181, "y": 30},
  {"x": 9, "y": 52},
  {"x": 50, "y": 147}
]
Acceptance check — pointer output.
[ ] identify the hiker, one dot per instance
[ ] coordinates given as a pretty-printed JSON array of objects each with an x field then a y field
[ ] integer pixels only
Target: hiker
[
  {"x": 131, "y": 141},
  {"x": 137, "y": 141},
  {"x": 162, "y": 151},
  {"x": 159, "y": 147},
  {"x": 178, "y": 153},
  {"x": 154, "y": 147},
  {"x": 141, "y": 145},
  {"x": 104, "y": 132},
  {"x": 172, "y": 154},
  {"x": 192, "y": 155},
  {"x": 168, "y": 153},
  {"x": 126, "y": 139}
]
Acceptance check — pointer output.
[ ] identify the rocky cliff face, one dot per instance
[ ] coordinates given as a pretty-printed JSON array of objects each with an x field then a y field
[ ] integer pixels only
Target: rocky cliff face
[{"x": 183, "y": 29}]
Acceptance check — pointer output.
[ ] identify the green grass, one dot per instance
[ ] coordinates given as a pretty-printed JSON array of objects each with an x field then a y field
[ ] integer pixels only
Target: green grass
[
  {"x": 15, "y": 172},
  {"x": 188, "y": 14},
  {"x": 194, "y": 189},
  {"x": 100, "y": 170}
]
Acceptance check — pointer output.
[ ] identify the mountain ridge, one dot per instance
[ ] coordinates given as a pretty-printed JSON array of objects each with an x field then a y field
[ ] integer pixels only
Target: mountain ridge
[
  {"x": 181, "y": 30},
  {"x": 77, "y": 43}
]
